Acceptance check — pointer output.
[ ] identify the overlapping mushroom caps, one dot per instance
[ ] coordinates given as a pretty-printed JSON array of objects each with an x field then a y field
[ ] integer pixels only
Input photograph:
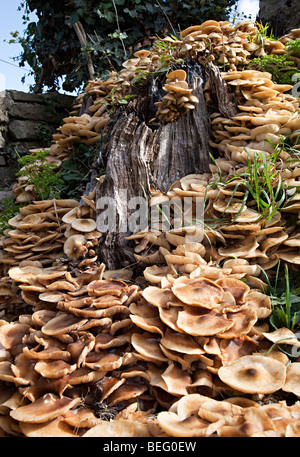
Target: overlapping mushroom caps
[
  {"x": 36, "y": 233},
  {"x": 230, "y": 46},
  {"x": 214, "y": 346},
  {"x": 198, "y": 415},
  {"x": 266, "y": 113},
  {"x": 82, "y": 236},
  {"x": 202, "y": 340},
  {"x": 230, "y": 224},
  {"x": 178, "y": 100},
  {"x": 112, "y": 345},
  {"x": 69, "y": 363},
  {"x": 83, "y": 352},
  {"x": 234, "y": 224}
]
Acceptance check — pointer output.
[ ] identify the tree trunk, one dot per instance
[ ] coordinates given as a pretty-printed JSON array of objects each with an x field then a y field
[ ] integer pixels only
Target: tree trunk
[
  {"x": 281, "y": 15},
  {"x": 141, "y": 156}
]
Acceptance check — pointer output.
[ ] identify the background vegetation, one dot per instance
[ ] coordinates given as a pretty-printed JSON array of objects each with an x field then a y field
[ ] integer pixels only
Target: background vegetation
[{"x": 78, "y": 39}]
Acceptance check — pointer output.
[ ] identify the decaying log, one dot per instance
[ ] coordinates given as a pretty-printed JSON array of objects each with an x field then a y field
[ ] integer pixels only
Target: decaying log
[
  {"x": 141, "y": 156},
  {"x": 224, "y": 100}
]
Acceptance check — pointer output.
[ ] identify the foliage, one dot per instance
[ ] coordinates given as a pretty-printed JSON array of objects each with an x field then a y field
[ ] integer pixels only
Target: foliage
[
  {"x": 43, "y": 133},
  {"x": 293, "y": 47},
  {"x": 263, "y": 33},
  {"x": 65, "y": 181},
  {"x": 76, "y": 171},
  {"x": 284, "y": 292},
  {"x": 261, "y": 183},
  {"x": 44, "y": 177},
  {"x": 114, "y": 30},
  {"x": 281, "y": 67},
  {"x": 8, "y": 211}
]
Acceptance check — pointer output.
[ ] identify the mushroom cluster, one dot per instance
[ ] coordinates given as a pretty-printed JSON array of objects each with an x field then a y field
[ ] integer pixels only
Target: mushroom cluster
[
  {"x": 24, "y": 191},
  {"x": 102, "y": 94},
  {"x": 47, "y": 229},
  {"x": 178, "y": 100},
  {"x": 234, "y": 225},
  {"x": 81, "y": 235},
  {"x": 36, "y": 233},
  {"x": 266, "y": 114},
  {"x": 198, "y": 415},
  {"x": 204, "y": 340},
  {"x": 97, "y": 356},
  {"x": 86, "y": 352},
  {"x": 84, "y": 129},
  {"x": 195, "y": 325},
  {"x": 231, "y": 46},
  {"x": 68, "y": 365},
  {"x": 230, "y": 225},
  {"x": 96, "y": 101}
]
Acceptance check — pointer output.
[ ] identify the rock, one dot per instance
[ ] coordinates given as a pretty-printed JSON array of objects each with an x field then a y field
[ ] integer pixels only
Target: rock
[
  {"x": 22, "y": 130},
  {"x": 33, "y": 111}
]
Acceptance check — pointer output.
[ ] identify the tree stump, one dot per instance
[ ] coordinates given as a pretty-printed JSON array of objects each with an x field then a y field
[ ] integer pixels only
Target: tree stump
[{"x": 141, "y": 156}]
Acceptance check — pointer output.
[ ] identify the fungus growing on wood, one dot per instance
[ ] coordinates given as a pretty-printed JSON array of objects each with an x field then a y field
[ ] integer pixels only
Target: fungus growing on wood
[{"x": 91, "y": 338}]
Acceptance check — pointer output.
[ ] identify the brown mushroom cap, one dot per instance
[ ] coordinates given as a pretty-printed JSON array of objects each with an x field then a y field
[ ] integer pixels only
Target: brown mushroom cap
[
  {"x": 11, "y": 334},
  {"x": 176, "y": 380},
  {"x": 54, "y": 368},
  {"x": 180, "y": 87},
  {"x": 180, "y": 342},
  {"x": 292, "y": 378},
  {"x": 243, "y": 321},
  {"x": 44, "y": 409},
  {"x": 118, "y": 428},
  {"x": 237, "y": 288},
  {"x": 199, "y": 292},
  {"x": 148, "y": 347},
  {"x": 161, "y": 297},
  {"x": 81, "y": 418},
  {"x": 57, "y": 428},
  {"x": 62, "y": 323},
  {"x": 213, "y": 410},
  {"x": 282, "y": 335},
  {"x": 180, "y": 75},
  {"x": 106, "y": 286},
  {"x": 84, "y": 225},
  {"x": 254, "y": 374},
  {"x": 74, "y": 246},
  {"x": 255, "y": 422},
  {"x": 192, "y": 426},
  {"x": 25, "y": 274},
  {"x": 205, "y": 324}
]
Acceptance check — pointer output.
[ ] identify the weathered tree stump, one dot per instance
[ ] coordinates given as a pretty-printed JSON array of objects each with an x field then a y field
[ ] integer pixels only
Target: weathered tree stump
[{"x": 141, "y": 155}]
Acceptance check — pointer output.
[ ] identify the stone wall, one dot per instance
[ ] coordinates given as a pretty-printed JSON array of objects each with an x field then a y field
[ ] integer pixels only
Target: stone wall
[{"x": 27, "y": 121}]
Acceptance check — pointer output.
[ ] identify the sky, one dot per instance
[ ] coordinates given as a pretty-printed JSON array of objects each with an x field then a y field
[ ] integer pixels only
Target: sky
[
  {"x": 248, "y": 7},
  {"x": 11, "y": 20},
  {"x": 10, "y": 73}
]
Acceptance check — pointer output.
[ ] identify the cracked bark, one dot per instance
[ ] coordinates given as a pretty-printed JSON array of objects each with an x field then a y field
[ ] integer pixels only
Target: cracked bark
[{"x": 140, "y": 156}]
